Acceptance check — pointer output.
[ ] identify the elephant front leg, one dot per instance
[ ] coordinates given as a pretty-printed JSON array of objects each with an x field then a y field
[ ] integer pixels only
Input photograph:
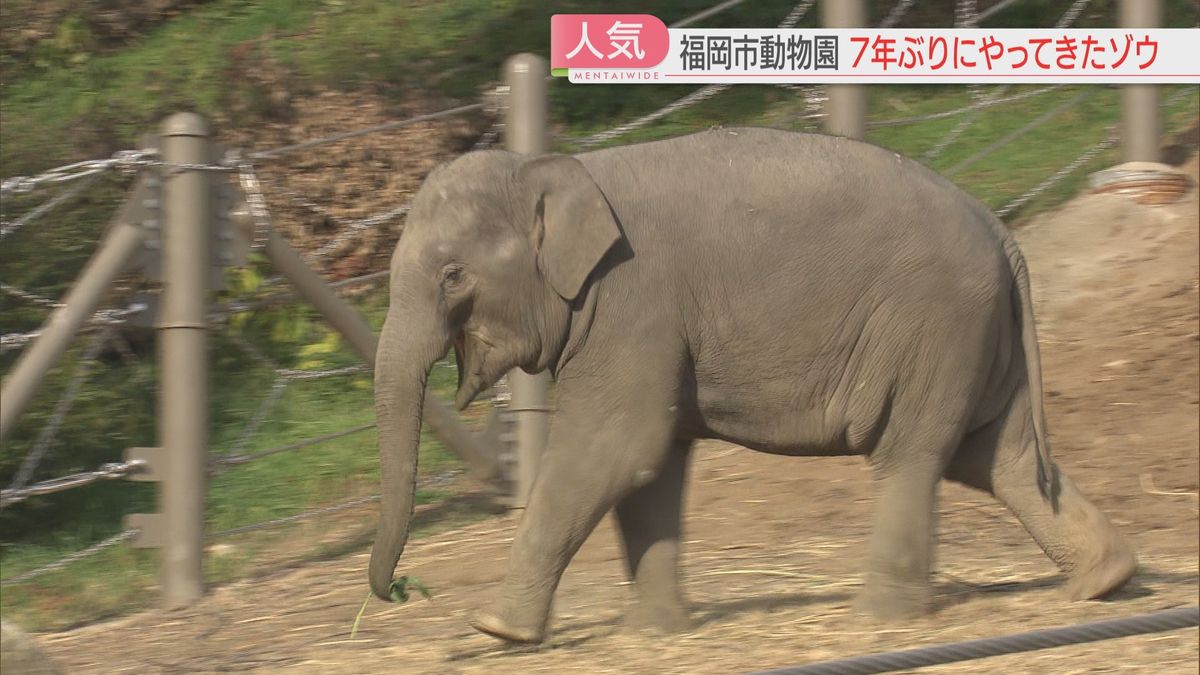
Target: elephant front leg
[
  {"x": 650, "y": 521},
  {"x": 595, "y": 457}
]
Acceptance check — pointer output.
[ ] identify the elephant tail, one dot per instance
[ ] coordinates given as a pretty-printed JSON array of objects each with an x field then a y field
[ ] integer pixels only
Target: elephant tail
[{"x": 1023, "y": 305}]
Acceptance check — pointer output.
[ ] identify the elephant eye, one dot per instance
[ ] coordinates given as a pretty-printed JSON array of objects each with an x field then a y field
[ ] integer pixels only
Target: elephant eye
[{"x": 452, "y": 275}]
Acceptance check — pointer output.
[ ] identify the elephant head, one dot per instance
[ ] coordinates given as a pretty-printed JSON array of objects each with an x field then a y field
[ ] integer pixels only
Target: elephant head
[{"x": 494, "y": 251}]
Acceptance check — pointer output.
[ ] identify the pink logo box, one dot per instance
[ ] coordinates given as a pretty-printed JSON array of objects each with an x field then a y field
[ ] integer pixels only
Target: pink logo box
[{"x": 607, "y": 41}]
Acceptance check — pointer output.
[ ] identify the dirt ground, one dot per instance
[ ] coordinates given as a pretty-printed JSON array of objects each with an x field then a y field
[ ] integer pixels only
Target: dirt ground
[{"x": 773, "y": 545}]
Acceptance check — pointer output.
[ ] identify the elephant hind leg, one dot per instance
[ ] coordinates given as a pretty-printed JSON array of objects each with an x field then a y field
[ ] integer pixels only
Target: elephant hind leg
[
  {"x": 1001, "y": 459},
  {"x": 650, "y": 522}
]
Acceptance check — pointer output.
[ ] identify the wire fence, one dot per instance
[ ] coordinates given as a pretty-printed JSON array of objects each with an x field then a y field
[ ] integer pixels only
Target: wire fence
[
  {"x": 40, "y": 446},
  {"x": 63, "y": 197},
  {"x": 82, "y": 175},
  {"x": 968, "y": 17},
  {"x": 68, "y": 560},
  {"x": 103, "y": 317}
]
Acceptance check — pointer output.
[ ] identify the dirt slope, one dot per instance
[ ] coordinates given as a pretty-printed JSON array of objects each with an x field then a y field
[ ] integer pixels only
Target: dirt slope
[{"x": 773, "y": 544}]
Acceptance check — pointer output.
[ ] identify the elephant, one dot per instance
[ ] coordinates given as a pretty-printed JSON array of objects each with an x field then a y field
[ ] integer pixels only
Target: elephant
[{"x": 792, "y": 293}]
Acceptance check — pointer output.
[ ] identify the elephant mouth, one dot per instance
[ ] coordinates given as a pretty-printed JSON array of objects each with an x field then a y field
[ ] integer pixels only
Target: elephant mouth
[
  {"x": 470, "y": 363},
  {"x": 460, "y": 352}
]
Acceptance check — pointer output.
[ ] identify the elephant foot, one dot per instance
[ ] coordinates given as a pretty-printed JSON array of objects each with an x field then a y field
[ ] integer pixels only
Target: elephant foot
[
  {"x": 888, "y": 599},
  {"x": 667, "y": 618},
  {"x": 1101, "y": 579},
  {"x": 501, "y": 625}
]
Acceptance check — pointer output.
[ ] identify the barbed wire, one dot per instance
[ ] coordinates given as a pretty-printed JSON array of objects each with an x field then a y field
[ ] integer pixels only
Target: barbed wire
[
  {"x": 289, "y": 373},
  {"x": 124, "y": 160},
  {"x": 1008, "y": 138},
  {"x": 897, "y": 13},
  {"x": 1072, "y": 13},
  {"x": 702, "y": 94},
  {"x": 38, "y": 451},
  {"x": 347, "y": 229},
  {"x": 991, "y": 11},
  {"x": 958, "y": 130},
  {"x": 129, "y": 534},
  {"x": 966, "y": 15},
  {"x": 1112, "y": 139},
  {"x": 242, "y": 306},
  {"x": 260, "y": 415},
  {"x": 1088, "y": 155},
  {"x": 10, "y": 341},
  {"x": 1065, "y": 21},
  {"x": 237, "y": 458},
  {"x": 795, "y": 16},
  {"x": 702, "y": 15},
  {"x": 978, "y": 105},
  {"x": 54, "y": 202},
  {"x": 488, "y": 138},
  {"x": 29, "y": 296},
  {"x": 74, "y": 557},
  {"x": 256, "y": 202},
  {"x": 360, "y": 279},
  {"x": 1050, "y": 181},
  {"x": 107, "y": 471},
  {"x": 104, "y": 317},
  {"x": 283, "y": 377},
  {"x": 292, "y": 374}
]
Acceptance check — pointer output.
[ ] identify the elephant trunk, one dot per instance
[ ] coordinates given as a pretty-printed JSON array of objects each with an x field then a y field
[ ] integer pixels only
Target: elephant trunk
[{"x": 401, "y": 372}]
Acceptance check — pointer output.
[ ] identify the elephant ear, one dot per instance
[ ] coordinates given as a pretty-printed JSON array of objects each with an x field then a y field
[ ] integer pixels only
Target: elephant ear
[{"x": 573, "y": 225}]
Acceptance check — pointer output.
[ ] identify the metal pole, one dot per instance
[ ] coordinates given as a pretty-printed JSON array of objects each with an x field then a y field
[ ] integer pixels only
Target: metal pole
[
  {"x": 525, "y": 131},
  {"x": 120, "y": 244},
  {"x": 1141, "y": 126},
  {"x": 310, "y": 286},
  {"x": 846, "y": 109},
  {"x": 482, "y": 463},
  {"x": 183, "y": 357}
]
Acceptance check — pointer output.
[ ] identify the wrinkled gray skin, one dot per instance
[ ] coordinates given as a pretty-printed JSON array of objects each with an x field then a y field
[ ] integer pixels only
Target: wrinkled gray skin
[{"x": 795, "y": 294}]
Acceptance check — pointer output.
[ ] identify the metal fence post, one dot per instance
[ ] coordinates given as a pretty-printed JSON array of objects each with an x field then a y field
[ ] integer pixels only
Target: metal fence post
[
  {"x": 846, "y": 107},
  {"x": 1141, "y": 125},
  {"x": 120, "y": 244},
  {"x": 183, "y": 357},
  {"x": 525, "y": 131}
]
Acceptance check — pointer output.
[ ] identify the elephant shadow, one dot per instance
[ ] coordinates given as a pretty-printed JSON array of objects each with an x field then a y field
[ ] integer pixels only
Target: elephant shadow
[
  {"x": 949, "y": 591},
  {"x": 709, "y": 612},
  {"x": 952, "y": 590}
]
